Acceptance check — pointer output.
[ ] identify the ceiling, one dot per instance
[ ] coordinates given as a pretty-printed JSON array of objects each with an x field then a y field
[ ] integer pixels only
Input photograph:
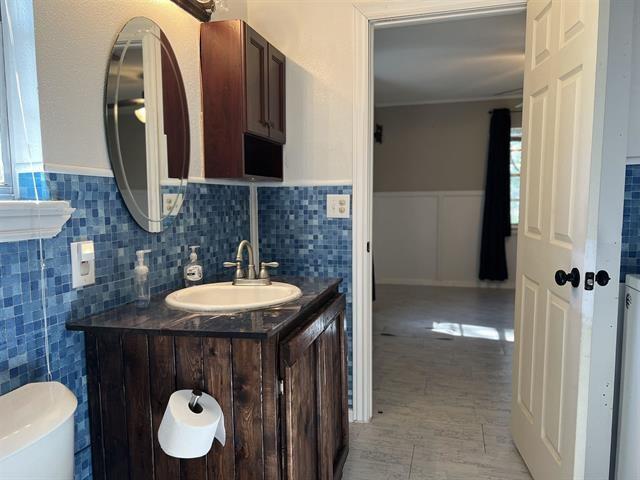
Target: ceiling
[{"x": 450, "y": 61}]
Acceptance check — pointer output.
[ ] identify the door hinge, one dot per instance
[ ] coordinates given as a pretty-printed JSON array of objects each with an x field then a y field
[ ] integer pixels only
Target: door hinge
[
  {"x": 368, "y": 247},
  {"x": 280, "y": 386}
]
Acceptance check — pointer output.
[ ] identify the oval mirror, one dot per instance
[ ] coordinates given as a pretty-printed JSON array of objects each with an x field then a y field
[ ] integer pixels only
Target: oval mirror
[{"x": 147, "y": 124}]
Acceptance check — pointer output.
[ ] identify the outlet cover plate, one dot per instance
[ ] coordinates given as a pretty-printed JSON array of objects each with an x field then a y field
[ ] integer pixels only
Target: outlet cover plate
[
  {"x": 338, "y": 205},
  {"x": 171, "y": 204}
]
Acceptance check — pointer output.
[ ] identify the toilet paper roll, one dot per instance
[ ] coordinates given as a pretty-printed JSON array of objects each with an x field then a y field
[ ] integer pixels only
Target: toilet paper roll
[{"x": 185, "y": 434}]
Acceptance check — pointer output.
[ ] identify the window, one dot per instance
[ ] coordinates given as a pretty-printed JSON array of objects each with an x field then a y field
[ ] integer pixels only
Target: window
[
  {"x": 7, "y": 180},
  {"x": 514, "y": 170}
]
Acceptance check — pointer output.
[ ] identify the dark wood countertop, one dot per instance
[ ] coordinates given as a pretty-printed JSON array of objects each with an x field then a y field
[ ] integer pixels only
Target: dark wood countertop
[{"x": 160, "y": 319}]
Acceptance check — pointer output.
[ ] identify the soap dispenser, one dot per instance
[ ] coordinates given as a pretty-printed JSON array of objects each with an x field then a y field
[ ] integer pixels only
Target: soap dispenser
[
  {"x": 193, "y": 272},
  {"x": 141, "y": 282}
]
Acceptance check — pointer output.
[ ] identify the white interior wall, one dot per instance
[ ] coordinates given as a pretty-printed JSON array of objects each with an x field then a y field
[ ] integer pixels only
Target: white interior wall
[
  {"x": 74, "y": 39},
  {"x": 633, "y": 151},
  {"x": 429, "y": 193},
  {"x": 317, "y": 38},
  {"x": 432, "y": 238}
]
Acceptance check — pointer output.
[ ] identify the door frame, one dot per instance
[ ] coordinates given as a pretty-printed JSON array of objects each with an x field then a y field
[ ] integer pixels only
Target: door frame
[
  {"x": 616, "y": 76},
  {"x": 367, "y": 17}
]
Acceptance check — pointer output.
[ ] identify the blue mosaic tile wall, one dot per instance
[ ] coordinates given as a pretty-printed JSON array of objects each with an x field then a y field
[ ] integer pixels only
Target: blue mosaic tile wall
[
  {"x": 213, "y": 216},
  {"x": 630, "y": 261},
  {"x": 295, "y": 231}
]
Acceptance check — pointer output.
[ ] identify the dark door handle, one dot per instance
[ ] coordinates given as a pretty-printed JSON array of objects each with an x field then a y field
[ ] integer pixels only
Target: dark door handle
[
  {"x": 602, "y": 278},
  {"x": 573, "y": 277}
]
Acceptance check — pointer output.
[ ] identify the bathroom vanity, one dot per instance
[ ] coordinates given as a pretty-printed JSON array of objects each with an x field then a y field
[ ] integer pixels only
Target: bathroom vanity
[{"x": 279, "y": 375}]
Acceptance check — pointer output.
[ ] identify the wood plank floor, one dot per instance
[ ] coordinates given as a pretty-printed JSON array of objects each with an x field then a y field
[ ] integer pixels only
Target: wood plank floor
[{"x": 442, "y": 388}]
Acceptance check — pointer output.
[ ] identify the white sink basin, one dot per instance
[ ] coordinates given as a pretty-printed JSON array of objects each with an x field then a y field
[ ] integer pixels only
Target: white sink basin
[{"x": 225, "y": 297}]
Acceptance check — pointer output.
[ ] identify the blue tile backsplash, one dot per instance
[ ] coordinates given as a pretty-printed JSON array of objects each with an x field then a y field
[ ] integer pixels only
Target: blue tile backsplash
[
  {"x": 295, "y": 231},
  {"x": 216, "y": 217},
  {"x": 630, "y": 260}
]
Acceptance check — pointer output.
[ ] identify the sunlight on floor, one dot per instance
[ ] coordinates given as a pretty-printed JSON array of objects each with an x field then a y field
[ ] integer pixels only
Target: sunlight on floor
[{"x": 473, "y": 331}]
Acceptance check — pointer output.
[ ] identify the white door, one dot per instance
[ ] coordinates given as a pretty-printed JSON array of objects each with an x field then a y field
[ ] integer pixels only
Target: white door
[{"x": 562, "y": 146}]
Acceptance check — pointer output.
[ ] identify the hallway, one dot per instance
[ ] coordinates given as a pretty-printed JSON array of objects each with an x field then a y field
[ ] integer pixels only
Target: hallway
[{"x": 442, "y": 388}]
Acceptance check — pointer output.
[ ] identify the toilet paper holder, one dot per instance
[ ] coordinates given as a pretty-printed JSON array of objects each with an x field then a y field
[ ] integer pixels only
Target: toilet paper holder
[
  {"x": 192, "y": 421},
  {"x": 194, "y": 406}
]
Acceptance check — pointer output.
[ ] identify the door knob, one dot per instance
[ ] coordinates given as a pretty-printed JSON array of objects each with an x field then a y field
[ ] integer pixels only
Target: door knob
[
  {"x": 602, "y": 278},
  {"x": 573, "y": 277}
]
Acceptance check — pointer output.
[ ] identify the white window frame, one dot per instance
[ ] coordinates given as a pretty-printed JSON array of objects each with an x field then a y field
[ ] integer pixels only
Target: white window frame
[
  {"x": 8, "y": 187},
  {"x": 21, "y": 219},
  {"x": 514, "y": 225}
]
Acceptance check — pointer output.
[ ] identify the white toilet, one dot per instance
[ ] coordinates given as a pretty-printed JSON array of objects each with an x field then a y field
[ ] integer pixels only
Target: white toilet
[{"x": 36, "y": 432}]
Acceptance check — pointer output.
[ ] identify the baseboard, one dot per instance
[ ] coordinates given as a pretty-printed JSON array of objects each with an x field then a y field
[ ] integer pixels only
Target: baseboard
[{"x": 425, "y": 282}]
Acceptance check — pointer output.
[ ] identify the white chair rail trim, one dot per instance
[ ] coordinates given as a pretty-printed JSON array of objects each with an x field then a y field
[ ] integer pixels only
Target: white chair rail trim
[{"x": 30, "y": 219}]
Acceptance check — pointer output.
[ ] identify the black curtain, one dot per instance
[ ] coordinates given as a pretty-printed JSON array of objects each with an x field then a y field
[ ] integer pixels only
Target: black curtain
[{"x": 496, "y": 220}]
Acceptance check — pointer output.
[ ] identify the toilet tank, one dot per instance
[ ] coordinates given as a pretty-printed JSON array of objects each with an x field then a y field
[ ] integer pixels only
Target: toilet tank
[{"x": 36, "y": 432}]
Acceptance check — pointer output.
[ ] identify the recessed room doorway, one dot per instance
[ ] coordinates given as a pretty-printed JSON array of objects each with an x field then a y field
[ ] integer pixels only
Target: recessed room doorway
[{"x": 443, "y": 338}]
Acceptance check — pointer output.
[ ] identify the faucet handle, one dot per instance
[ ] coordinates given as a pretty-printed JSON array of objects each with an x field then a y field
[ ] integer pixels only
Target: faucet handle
[
  {"x": 238, "y": 266},
  {"x": 264, "y": 273}
]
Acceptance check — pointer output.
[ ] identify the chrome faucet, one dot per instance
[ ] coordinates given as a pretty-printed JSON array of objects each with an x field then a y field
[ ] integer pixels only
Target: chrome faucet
[{"x": 249, "y": 277}]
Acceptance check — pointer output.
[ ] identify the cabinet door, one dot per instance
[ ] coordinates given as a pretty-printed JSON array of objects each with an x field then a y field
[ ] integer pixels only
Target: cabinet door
[
  {"x": 277, "y": 97},
  {"x": 333, "y": 433},
  {"x": 256, "y": 83},
  {"x": 314, "y": 401}
]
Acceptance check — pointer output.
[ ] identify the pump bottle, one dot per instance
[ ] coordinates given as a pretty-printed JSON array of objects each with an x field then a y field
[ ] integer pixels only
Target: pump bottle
[
  {"x": 141, "y": 282},
  {"x": 193, "y": 271}
]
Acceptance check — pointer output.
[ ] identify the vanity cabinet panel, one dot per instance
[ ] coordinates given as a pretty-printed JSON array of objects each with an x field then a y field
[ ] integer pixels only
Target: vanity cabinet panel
[
  {"x": 218, "y": 365},
  {"x": 189, "y": 374},
  {"x": 162, "y": 375},
  {"x": 300, "y": 409},
  {"x": 243, "y": 102},
  {"x": 315, "y": 397},
  {"x": 332, "y": 401}
]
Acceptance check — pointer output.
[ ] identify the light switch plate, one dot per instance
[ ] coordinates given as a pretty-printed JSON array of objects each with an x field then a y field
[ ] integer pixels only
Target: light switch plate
[
  {"x": 338, "y": 206},
  {"x": 171, "y": 204}
]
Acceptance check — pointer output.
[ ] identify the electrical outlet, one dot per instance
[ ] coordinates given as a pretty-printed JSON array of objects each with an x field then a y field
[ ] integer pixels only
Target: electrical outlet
[
  {"x": 83, "y": 264},
  {"x": 338, "y": 206},
  {"x": 171, "y": 204}
]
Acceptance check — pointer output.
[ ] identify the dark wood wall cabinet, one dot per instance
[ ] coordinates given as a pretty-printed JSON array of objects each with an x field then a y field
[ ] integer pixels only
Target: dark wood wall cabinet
[
  {"x": 284, "y": 398},
  {"x": 243, "y": 102}
]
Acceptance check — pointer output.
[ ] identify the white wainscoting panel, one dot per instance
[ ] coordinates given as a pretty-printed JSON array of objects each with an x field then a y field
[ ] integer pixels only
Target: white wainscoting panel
[
  {"x": 432, "y": 238},
  {"x": 405, "y": 236}
]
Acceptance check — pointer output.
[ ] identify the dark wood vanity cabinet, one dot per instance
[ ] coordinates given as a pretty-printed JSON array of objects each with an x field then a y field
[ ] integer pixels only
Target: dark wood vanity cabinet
[
  {"x": 284, "y": 395},
  {"x": 243, "y": 97},
  {"x": 314, "y": 399}
]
